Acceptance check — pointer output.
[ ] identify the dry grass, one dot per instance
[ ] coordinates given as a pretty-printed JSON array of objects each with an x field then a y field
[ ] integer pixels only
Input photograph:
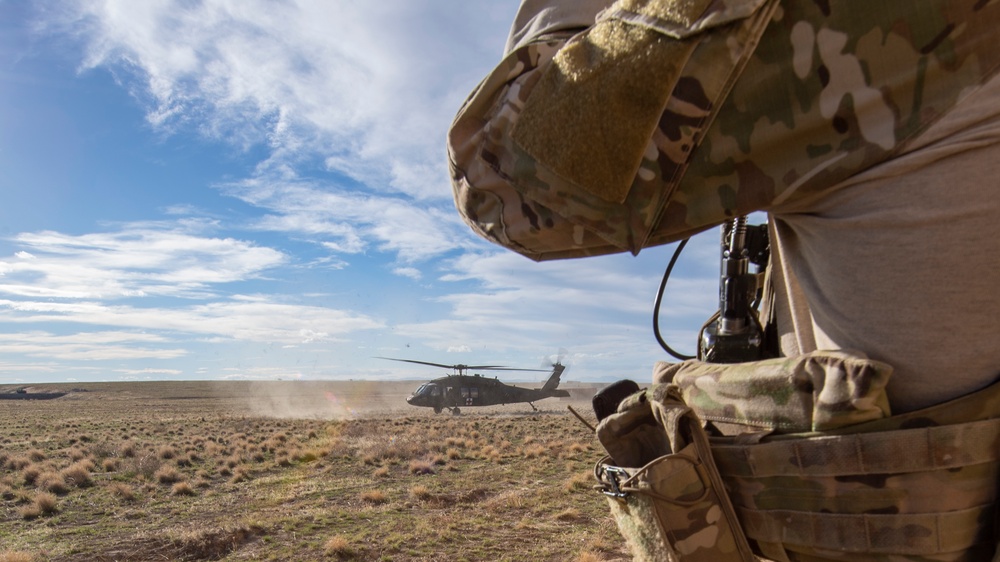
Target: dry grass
[{"x": 128, "y": 472}]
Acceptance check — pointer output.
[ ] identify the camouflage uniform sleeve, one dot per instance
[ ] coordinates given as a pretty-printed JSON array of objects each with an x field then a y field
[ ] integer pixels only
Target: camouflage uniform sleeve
[
  {"x": 667, "y": 117},
  {"x": 483, "y": 196}
]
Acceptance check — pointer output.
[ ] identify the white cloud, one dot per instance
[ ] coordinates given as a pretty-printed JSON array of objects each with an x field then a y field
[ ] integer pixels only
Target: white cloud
[
  {"x": 372, "y": 85},
  {"x": 229, "y": 320},
  {"x": 132, "y": 372},
  {"x": 348, "y": 222},
  {"x": 87, "y": 346},
  {"x": 138, "y": 260},
  {"x": 411, "y": 272}
]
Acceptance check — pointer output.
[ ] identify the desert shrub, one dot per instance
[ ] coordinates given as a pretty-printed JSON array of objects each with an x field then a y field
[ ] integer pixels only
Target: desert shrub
[
  {"x": 307, "y": 455},
  {"x": 568, "y": 514},
  {"x": 15, "y": 556},
  {"x": 167, "y": 474},
  {"x": 166, "y": 452},
  {"x": 491, "y": 453},
  {"x": 52, "y": 481},
  {"x": 31, "y": 473},
  {"x": 127, "y": 449},
  {"x": 420, "y": 492},
  {"x": 144, "y": 466},
  {"x": 579, "y": 481},
  {"x": 36, "y": 455},
  {"x": 374, "y": 497},
  {"x": 182, "y": 489},
  {"x": 241, "y": 474},
  {"x": 121, "y": 491},
  {"x": 381, "y": 472},
  {"x": 337, "y": 546},
  {"x": 46, "y": 502},
  {"x": 102, "y": 450},
  {"x": 420, "y": 466},
  {"x": 29, "y": 511},
  {"x": 534, "y": 451},
  {"x": 110, "y": 464},
  {"x": 78, "y": 474},
  {"x": 18, "y": 463}
]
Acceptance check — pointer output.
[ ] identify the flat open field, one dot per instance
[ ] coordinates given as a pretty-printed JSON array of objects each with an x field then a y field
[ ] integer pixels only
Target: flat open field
[{"x": 295, "y": 471}]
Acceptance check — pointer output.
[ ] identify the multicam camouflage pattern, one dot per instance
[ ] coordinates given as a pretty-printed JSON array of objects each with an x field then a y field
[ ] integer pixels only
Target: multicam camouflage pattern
[
  {"x": 664, "y": 490},
  {"x": 833, "y": 88},
  {"x": 920, "y": 486},
  {"x": 819, "y": 391}
]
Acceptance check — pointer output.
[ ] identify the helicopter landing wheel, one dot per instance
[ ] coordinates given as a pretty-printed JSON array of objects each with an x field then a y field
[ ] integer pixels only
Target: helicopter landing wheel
[
  {"x": 437, "y": 409},
  {"x": 455, "y": 411}
]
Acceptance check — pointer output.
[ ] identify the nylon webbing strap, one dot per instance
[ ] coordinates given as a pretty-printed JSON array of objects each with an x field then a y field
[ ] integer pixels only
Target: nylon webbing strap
[
  {"x": 919, "y": 534},
  {"x": 893, "y": 452}
]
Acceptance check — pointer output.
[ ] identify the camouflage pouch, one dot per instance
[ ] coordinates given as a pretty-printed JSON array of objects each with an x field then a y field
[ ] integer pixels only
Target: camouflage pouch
[
  {"x": 819, "y": 391},
  {"x": 663, "y": 488}
]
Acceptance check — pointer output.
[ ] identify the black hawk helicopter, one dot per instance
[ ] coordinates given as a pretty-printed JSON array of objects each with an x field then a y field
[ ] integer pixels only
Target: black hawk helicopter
[{"x": 454, "y": 391}]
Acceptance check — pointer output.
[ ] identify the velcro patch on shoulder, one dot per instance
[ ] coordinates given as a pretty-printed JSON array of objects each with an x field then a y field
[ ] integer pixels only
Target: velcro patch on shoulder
[{"x": 592, "y": 114}]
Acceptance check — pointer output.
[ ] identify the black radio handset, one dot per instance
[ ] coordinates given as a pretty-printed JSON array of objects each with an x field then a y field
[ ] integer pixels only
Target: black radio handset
[{"x": 734, "y": 334}]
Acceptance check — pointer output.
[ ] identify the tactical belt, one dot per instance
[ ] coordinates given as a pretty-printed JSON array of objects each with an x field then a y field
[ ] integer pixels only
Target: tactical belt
[{"x": 918, "y": 486}]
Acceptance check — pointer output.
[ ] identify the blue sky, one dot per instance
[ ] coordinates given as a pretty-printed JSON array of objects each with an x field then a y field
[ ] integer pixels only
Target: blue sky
[{"x": 249, "y": 189}]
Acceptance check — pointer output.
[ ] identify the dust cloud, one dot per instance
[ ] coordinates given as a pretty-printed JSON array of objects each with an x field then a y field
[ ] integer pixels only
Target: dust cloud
[
  {"x": 328, "y": 399},
  {"x": 334, "y": 400}
]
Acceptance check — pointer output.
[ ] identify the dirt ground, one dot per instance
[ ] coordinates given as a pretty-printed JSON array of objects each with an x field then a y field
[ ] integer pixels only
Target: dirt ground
[{"x": 296, "y": 470}]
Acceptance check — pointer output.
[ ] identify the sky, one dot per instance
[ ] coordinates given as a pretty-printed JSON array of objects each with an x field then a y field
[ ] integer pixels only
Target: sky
[{"x": 258, "y": 189}]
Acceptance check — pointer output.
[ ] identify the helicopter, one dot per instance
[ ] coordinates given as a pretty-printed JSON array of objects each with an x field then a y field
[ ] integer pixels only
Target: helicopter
[{"x": 460, "y": 389}]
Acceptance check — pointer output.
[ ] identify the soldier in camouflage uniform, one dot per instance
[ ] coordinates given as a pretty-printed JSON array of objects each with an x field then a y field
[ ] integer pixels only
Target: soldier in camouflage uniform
[{"x": 870, "y": 134}]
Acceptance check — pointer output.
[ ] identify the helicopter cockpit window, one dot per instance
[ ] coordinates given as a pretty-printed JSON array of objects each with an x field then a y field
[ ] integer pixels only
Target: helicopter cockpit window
[{"x": 428, "y": 390}]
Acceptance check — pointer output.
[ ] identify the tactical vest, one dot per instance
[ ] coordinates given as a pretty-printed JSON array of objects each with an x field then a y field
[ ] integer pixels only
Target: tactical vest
[{"x": 800, "y": 462}]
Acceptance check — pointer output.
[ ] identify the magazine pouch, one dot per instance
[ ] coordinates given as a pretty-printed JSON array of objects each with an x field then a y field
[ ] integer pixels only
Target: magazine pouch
[{"x": 662, "y": 485}]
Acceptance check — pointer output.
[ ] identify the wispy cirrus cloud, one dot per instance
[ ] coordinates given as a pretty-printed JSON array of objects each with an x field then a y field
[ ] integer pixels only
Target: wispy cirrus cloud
[
  {"x": 111, "y": 345},
  {"x": 256, "y": 321},
  {"x": 358, "y": 85},
  {"x": 143, "y": 259}
]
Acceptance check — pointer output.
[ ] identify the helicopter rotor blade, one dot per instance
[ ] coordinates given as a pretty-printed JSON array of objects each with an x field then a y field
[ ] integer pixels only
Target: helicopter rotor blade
[
  {"x": 418, "y": 362},
  {"x": 550, "y": 363},
  {"x": 461, "y": 367},
  {"x": 511, "y": 369}
]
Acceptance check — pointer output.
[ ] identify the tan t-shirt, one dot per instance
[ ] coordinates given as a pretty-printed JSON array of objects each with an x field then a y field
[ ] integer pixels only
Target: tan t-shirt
[{"x": 901, "y": 262}]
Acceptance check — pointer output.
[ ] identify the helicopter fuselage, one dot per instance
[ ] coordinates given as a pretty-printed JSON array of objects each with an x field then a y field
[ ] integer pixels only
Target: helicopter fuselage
[{"x": 456, "y": 391}]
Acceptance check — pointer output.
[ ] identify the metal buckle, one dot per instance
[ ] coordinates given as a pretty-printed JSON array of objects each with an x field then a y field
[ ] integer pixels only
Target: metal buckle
[{"x": 612, "y": 475}]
